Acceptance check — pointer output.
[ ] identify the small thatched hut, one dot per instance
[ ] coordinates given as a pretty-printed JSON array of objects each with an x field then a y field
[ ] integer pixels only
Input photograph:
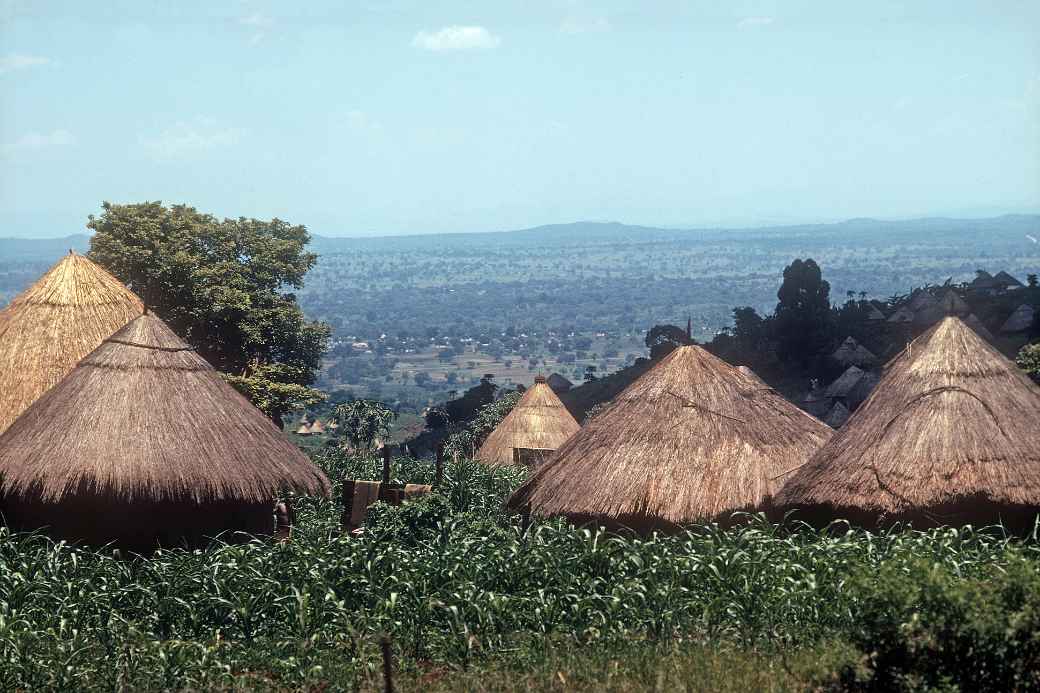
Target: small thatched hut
[
  {"x": 948, "y": 437},
  {"x": 693, "y": 439},
  {"x": 317, "y": 428},
  {"x": 974, "y": 323},
  {"x": 903, "y": 315},
  {"x": 304, "y": 429},
  {"x": 1019, "y": 321},
  {"x": 852, "y": 353},
  {"x": 54, "y": 323},
  {"x": 837, "y": 416},
  {"x": 144, "y": 444},
  {"x": 539, "y": 421}
]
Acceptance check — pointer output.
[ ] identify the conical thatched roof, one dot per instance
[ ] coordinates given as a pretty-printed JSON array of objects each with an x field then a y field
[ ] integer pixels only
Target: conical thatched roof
[
  {"x": 1021, "y": 320},
  {"x": 304, "y": 429},
  {"x": 1005, "y": 280},
  {"x": 317, "y": 428},
  {"x": 974, "y": 323},
  {"x": 753, "y": 376},
  {"x": 559, "y": 384},
  {"x": 904, "y": 314},
  {"x": 845, "y": 383},
  {"x": 538, "y": 421},
  {"x": 874, "y": 314},
  {"x": 952, "y": 427},
  {"x": 690, "y": 440},
  {"x": 54, "y": 323},
  {"x": 852, "y": 353},
  {"x": 921, "y": 300},
  {"x": 837, "y": 416},
  {"x": 952, "y": 304},
  {"x": 144, "y": 418}
]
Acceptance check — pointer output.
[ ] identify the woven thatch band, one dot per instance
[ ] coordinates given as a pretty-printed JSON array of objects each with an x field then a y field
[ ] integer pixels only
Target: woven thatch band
[{"x": 149, "y": 346}]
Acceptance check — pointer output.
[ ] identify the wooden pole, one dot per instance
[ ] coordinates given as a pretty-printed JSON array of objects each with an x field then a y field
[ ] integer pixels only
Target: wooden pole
[
  {"x": 438, "y": 476},
  {"x": 387, "y": 452},
  {"x": 388, "y": 665}
]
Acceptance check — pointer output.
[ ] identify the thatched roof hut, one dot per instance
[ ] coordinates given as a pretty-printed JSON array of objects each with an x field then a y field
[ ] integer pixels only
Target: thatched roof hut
[
  {"x": 903, "y": 315},
  {"x": 974, "y": 323},
  {"x": 559, "y": 384},
  {"x": 952, "y": 304},
  {"x": 693, "y": 439},
  {"x": 1019, "y": 321},
  {"x": 1003, "y": 280},
  {"x": 317, "y": 428},
  {"x": 143, "y": 443},
  {"x": 874, "y": 313},
  {"x": 852, "y": 353},
  {"x": 837, "y": 416},
  {"x": 752, "y": 376},
  {"x": 304, "y": 429},
  {"x": 921, "y": 300},
  {"x": 949, "y": 436},
  {"x": 845, "y": 382},
  {"x": 54, "y": 323},
  {"x": 539, "y": 421}
]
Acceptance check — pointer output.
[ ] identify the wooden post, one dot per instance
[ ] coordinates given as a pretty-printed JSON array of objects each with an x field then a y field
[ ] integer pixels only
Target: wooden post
[
  {"x": 438, "y": 475},
  {"x": 388, "y": 665},
  {"x": 387, "y": 452}
]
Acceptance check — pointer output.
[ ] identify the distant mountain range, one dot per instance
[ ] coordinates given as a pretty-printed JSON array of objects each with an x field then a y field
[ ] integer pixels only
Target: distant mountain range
[{"x": 1008, "y": 227}]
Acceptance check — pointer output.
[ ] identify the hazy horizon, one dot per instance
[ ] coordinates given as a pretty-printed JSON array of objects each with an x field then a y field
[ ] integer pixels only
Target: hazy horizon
[{"x": 404, "y": 118}]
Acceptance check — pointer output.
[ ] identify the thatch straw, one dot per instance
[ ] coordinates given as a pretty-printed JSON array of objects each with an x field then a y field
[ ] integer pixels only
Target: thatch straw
[
  {"x": 143, "y": 418},
  {"x": 691, "y": 440},
  {"x": 852, "y": 353},
  {"x": 317, "y": 428},
  {"x": 1019, "y": 321},
  {"x": 304, "y": 429},
  {"x": 974, "y": 323},
  {"x": 952, "y": 420},
  {"x": 539, "y": 420},
  {"x": 54, "y": 323},
  {"x": 903, "y": 315},
  {"x": 752, "y": 375},
  {"x": 837, "y": 416}
]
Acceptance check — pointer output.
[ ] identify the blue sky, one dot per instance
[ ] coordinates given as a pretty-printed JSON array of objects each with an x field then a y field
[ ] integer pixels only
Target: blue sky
[{"x": 361, "y": 118}]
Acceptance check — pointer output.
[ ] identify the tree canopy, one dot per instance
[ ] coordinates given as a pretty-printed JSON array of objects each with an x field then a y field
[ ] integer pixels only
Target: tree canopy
[{"x": 223, "y": 286}]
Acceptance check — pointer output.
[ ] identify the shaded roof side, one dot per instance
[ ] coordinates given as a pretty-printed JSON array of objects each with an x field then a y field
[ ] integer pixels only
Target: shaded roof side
[
  {"x": 690, "y": 440},
  {"x": 1020, "y": 320},
  {"x": 845, "y": 382},
  {"x": 852, "y": 352},
  {"x": 974, "y": 323},
  {"x": 144, "y": 417},
  {"x": 1004, "y": 279},
  {"x": 952, "y": 418},
  {"x": 904, "y": 314},
  {"x": 539, "y": 421},
  {"x": 53, "y": 324},
  {"x": 837, "y": 416}
]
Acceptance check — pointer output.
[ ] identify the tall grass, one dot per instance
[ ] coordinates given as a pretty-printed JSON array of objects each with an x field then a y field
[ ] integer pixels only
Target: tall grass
[{"x": 475, "y": 595}]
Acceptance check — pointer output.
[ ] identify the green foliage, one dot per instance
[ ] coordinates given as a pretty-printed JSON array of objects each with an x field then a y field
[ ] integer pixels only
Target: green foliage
[
  {"x": 1029, "y": 360},
  {"x": 465, "y": 442},
  {"x": 662, "y": 340},
  {"x": 274, "y": 389},
  {"x": 802, "y": 314},
  {"x": 463, "y": 587},
  {"x": 220, "y": 284},
  {"x": 362, "y": 421}
]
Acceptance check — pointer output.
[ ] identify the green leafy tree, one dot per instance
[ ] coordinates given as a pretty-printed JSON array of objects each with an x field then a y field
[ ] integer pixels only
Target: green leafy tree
[
  {"x": 466, "y": 441},
  {"x": 664, "y": 339},
  {"x": 362, "y": 421},
  {"x": 1029, "y": 360},
  {"x": 803, "y": 315},
  {"x": 222, "y": 285}
]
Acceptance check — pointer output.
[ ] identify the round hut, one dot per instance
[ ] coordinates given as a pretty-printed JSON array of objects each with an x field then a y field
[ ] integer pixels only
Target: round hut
[
  {"x": 691, "y": 440},
  {"x": 49, "y": 327},
  {"x": 538, "y": 423},
  {"x": 949, "y": 436},
  {"x": 144, "y": 444}
]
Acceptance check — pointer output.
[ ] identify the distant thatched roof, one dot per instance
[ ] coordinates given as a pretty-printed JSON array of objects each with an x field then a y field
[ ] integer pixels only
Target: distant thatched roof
[
  {"x": 837, "y": 416},
  {"x": 1021, "y": 320},
  {"x": 538, "y": 421},
  {"x": 317, "y": 428},
  {"x": 852, "y": 353},
  {"x": 974, "y": 323},
  {"x": 1006, "y": 281},
  {"x": 692, "y": 439},
  {"x": 144, "y": 418},
  {"x": 54, "y": 323},
  {"x": 845, "y": 382},
  {"x": 874, "y": 313},
  {"x": 921, "y": 299},
  {"x": 952, "y": 304},
  {"x": 559, "y": 384},
  {"x": 304, "y": 429},
  {"x": 952, "y": 421},
  {"x": 904, "y": 314}
]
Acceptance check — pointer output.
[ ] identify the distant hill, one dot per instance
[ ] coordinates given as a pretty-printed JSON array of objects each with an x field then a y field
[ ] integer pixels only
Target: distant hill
[{"x": 41, "y": 249}]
